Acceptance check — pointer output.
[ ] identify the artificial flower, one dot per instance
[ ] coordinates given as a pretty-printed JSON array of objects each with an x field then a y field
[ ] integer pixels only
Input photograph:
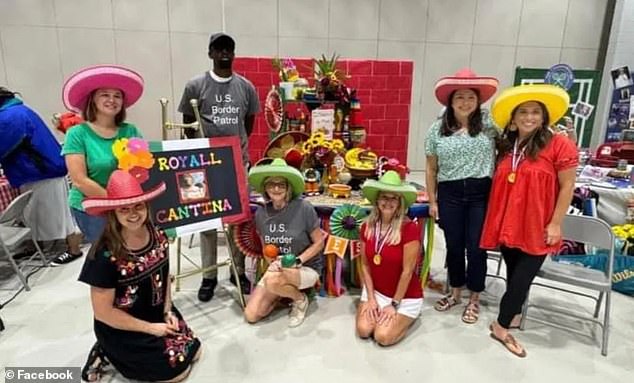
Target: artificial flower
[
  {"x": 120, "y": 148},
  {"x": 137, "y": 145}
]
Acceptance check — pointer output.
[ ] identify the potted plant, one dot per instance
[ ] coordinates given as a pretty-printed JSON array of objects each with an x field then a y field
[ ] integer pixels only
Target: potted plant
[{"x": 329, "y": 79}]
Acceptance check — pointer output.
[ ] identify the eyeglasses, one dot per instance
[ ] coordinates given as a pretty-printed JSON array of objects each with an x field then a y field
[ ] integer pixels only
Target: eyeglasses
[
  {"x": 385, "y": 198},
  {"x": 128, "y": 209},
  {"x": 273, "y": 185}
]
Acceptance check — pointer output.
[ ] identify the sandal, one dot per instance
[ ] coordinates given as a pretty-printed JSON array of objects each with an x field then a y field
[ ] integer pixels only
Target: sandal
[
  {"x": 93, "y": 369},
  {"x": 510, "y": 343},
  {"x": 471, "y": 313},
  {"x": 446, "y": 303}
]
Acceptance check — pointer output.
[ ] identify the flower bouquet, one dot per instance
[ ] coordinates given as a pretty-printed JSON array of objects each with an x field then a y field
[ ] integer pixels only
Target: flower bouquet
[
  {"x": 320, "y": 152},
  {"x": 624, "y": 238}
]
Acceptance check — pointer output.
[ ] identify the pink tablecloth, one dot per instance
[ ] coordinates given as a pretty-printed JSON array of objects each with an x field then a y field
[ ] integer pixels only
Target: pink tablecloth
[{"x": 7, "y": 193}]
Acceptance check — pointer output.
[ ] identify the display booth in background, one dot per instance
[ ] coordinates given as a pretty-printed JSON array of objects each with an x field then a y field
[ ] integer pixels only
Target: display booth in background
[
  {"x": 621, "y": 113},
  {"x": 584, "y": 90}
]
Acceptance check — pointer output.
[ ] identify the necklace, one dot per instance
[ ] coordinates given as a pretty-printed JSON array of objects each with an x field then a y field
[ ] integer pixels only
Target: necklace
[
  {"x": 379, "y": 241},
  {"x": 515, "y": 162}
]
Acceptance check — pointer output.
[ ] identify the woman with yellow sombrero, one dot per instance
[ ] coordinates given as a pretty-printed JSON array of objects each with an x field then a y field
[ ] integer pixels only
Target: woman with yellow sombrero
[{"x": 532, "y": 189}]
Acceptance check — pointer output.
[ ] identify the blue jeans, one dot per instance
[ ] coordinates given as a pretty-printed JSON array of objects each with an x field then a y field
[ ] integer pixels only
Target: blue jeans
[
  {"x": 91, "y": 226},
  {"x": 462, "y": 206}
]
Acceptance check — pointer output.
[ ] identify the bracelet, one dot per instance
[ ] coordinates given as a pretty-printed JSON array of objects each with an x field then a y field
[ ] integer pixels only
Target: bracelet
[{"x": 168, "y": 313}]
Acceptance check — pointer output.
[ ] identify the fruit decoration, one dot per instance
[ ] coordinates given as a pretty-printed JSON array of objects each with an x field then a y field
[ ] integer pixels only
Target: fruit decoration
[
  {"x": 270, "y": 251},
  {"x": 288, "y": 260}
]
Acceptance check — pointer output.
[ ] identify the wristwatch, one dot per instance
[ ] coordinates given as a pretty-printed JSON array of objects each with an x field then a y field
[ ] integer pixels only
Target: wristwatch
[
  {"x": 395, "y": 304},
  {"x": 298, "y": 262}
]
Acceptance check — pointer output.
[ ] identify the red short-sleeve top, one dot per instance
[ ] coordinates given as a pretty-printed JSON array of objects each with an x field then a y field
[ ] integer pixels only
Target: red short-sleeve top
[
  {"x": 519, "y": 212},
  {"x": 386, "y": 275}
]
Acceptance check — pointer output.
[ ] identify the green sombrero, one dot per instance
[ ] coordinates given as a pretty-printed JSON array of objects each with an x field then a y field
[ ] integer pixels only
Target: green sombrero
[
  {"x": 389, "y": 182},
  {"x": 277, "y": 168},
  {"x": 555, "y": 99}
]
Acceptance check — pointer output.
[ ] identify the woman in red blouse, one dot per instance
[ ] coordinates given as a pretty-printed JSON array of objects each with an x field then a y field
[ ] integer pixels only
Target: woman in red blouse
[
  {"x": 392, "y": 296},
  {"x": 532, "y": 189}
]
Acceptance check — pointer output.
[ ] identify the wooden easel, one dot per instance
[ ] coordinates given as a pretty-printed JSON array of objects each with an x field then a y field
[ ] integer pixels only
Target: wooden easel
[{"x": 197, "y": 125}]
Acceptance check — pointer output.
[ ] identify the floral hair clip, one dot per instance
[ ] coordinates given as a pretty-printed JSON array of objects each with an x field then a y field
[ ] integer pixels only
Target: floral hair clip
[{"x": 133, "y": 155}]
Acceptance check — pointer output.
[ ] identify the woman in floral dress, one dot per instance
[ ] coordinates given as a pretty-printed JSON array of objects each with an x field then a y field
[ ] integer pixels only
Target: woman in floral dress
[{"x": 138, "y": 329}]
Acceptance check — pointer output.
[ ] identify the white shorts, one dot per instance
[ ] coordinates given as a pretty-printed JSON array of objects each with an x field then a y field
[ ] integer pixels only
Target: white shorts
[
  {"x": 307, "y": 278},
  {"x": 410, "y": 307}
]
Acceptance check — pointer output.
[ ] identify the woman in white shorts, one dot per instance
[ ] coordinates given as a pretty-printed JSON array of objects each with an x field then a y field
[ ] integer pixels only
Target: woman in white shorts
[
  {"x": 291, "y": 226},
  {"x": 392, "y": 295}
]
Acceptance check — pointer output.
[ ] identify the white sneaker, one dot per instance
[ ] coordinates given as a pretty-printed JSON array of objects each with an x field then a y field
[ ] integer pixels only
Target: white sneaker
[{"x": 298, "y": 312}]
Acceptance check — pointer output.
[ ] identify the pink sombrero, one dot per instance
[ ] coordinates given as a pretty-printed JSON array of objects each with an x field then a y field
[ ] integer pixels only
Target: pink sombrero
[
  {"x": 80, "y": 84},
  {"x": 465, "y": 79},
  {"x": 123, "y": 189}
]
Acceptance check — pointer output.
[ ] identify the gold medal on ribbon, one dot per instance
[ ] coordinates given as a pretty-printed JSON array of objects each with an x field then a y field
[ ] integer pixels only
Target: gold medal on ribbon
[
  {"x": 377, "y": 259},
  {"x": 511, "y": 177}
]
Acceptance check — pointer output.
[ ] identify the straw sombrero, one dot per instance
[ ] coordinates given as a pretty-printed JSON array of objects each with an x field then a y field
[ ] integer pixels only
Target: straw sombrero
[
  {"x": 389, "y": 182},
  {"x": 123, "y": 189},
  {"x": 465, "y": 79},
  {"x": 80, "y": 84},
  {"x": 555, "y": 99},
  {"x": 277, "y": 168},
  {"x": 288, "y": 147}
]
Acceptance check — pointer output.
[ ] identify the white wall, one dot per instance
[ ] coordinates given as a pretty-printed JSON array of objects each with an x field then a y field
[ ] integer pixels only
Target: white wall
[{"x": 43, "y": 41}]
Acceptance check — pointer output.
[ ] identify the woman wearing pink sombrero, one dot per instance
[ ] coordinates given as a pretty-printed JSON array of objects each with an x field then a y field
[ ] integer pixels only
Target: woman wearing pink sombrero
[
  {"x": 138, "y": 330},
  {"x": 460, "y": 149},
  {"x": 101, "y": 94}
]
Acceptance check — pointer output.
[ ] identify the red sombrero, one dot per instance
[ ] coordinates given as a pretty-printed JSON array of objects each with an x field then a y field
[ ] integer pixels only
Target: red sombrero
[
  {"x": 80, "y": 84},
  {"x": 465, "y": 79},
  {"x": 123, "y": 189}
]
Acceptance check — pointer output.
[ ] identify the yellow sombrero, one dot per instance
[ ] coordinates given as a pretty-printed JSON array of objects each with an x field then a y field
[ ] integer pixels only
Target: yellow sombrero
[{"x": 553, "y": 97}]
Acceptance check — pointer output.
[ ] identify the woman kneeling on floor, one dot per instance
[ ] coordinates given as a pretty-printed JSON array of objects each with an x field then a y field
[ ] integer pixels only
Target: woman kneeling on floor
[
  {"x": 291, "y": 225},
  {"x": 138, "y": 329},
  {"x": 392, "y": 295}
]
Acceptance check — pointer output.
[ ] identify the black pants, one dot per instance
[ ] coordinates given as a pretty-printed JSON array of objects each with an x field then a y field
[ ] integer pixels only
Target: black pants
[
  {"x": 462, "y": 206},
  {"x": 521, "y": 269}
]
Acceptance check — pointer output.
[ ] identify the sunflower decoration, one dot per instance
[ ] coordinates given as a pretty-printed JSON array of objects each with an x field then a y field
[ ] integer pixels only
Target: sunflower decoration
[
  {"x": 346, "y": 220},
  {"x": 322, "y": 149},
  {"x": 133, "y": 155}
]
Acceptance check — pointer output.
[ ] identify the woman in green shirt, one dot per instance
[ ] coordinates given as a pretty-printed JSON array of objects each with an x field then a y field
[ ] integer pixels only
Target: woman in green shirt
[
  {"x": 101, "y": 93},
  {"x": 460, "y": 150}
]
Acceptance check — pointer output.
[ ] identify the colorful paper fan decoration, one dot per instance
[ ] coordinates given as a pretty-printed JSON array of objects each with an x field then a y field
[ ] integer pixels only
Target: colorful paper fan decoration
[
  {"x": 346, "y": 220},
  {"x": 273, "y": 110},
  {"x": 247, "y": 239}
]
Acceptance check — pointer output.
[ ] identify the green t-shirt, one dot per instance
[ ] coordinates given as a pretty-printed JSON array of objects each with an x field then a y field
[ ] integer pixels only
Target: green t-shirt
[
  {"x": 461, "y": 156},
  {"x": 100, "y": 161}
]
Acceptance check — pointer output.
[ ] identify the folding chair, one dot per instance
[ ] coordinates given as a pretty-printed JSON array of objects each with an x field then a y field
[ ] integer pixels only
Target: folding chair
[
  {"x": 496, "y": 256},
  {"x": 13, "y": 234},
  {"x": 592, "y": 231}
]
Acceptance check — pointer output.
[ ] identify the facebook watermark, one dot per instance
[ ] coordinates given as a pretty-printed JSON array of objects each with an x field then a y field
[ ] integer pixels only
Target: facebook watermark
[{"x": 42, "y": 374}]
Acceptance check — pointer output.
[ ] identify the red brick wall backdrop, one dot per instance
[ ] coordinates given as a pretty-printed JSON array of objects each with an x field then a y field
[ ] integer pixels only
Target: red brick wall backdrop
[{"x": 383, "y": 87}]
